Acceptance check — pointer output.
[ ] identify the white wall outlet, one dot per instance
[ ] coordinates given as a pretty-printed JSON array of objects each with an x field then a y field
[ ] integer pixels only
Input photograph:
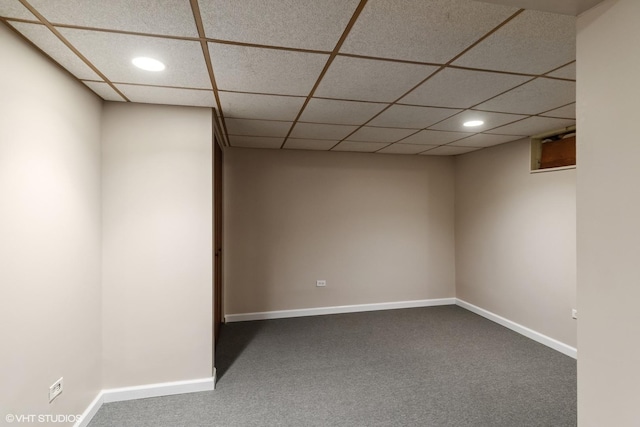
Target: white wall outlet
[
  {"x": 55, "y": 389},
  {"x": 574, "y": 313},
  {"x": 321, "y": 283}
]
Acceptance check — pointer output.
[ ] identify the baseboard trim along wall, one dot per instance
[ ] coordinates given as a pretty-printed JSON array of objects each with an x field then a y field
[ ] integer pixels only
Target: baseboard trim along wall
[
  {"x": 320, "y": 311},
  {"x": 142, "y": 392},
  {"x": 523, "y": 330}
]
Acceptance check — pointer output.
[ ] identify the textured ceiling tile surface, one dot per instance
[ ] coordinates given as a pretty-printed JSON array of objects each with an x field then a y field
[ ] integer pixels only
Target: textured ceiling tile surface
[
  {"x": 566, "y": 112},
  {"x": 255, "y": 141},
  {"x": 533, "y": 42},
  {"x": 310, "y": 144},
  {"x": 370, "y": 80},
  {"x": 142, "y": 16},
  {"x": 485, "y": 140},
  {"x": 271, "y": 71},
  {"x": 251, "y": 106},
  {"x": 392, "y": 29},
  {"x": 167, "y": 96},
  {"x": 448, "y": 150},
  {"x": 411, "y": 117},
  {"x": 461, "y": 88},
  {"x": 104, "y": 91},
  {"x": 340, "y": 112},
  {"x": 317, "y": 131},
  {"x": 369, "y": 134},
  {"x": 360, "y": 147},
  {"x": 52, "y": 46},
  {"x": 567, "y": 72},
  {"x": 533, "y": 126},
  {"x": 15, "y": 9},
  {"x": 112, "y": 54},
  {"x": 300, "y": 24},
  {"x": 404, "y": 149},
  {"x": 257, "y": 127},
  {"x": 534, "y": 97},
  {"x": 491, "y": 120},
  {"x": 432, "y": 137}
]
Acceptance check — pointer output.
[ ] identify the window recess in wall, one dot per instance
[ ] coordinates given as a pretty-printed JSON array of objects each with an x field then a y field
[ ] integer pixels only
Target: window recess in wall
[{"x": 554, "y": 150}]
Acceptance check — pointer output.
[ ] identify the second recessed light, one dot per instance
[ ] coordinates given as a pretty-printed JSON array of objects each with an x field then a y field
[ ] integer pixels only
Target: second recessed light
[
  {"x": 473, "y": 123},
  {"x": 148, "y": 64}
]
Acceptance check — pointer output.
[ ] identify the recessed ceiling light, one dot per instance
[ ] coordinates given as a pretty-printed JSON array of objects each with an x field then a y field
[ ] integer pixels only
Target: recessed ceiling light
[
  {"x": 148, "y": 64},
  {"x": 473, "y": 123}
]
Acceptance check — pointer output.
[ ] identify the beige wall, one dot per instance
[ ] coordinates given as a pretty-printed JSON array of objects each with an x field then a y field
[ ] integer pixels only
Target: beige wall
[
  {"x": 608, "y": 214},
  {"x": 378, "y": 228},
  {"x": 49, "y": 235},
  {"x": 515, "y": 239},
  {"x": 157, "y": 243}
]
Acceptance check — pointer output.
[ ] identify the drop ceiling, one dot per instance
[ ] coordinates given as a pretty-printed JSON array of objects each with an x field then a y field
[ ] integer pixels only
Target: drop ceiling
[{"x": 384, "y": 76}]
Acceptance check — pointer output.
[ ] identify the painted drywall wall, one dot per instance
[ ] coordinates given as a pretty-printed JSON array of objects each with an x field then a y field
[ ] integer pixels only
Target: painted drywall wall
[
  {"x": 157, "y": 243},
  {"x": 608, "y": 212},
  {"x": 377, "y": 228},
  {"x": 515, "y": 239},
  {"x": 49, "y": 235}
]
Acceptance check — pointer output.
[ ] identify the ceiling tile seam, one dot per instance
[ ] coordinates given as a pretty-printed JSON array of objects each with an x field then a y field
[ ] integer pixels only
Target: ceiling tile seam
[
  {"x": 51, "y": 28},
  {"x": 562, "y": 66},
  {"x": 267, "y": 46},
  {"x": 260, "y": 93},
  {"x": 562, "y": 106},
  {"x": 333, "y": 55},
  {"x": 401, "y": 139},
  {"x": 442, "y": 67},
  {"x": 195, "y": 9},
  {"x": 45, "y": 54},
  {"x": 125, "y": 32},
  {"x": 21, "y": 20},
  {"x": 158, "y": 86}
]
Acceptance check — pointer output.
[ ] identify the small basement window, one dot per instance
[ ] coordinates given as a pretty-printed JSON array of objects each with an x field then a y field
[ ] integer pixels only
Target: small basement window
[{"x": 556, "y": 150}]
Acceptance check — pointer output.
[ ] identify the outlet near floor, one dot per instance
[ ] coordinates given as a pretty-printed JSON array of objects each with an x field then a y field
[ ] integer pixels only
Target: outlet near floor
[
  {"x": 321, "y": 283},
  {"x": 55, "y": 389}
]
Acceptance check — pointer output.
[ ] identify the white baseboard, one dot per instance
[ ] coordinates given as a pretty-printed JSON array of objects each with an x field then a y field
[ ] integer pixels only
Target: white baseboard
[
  {"x": 319, "y": 311},
  {"x": 523, "y": 330},
  {"x": 142, "y": 392}
]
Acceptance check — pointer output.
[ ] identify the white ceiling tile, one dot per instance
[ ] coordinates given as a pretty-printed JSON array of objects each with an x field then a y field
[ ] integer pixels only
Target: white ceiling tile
[
  {"x": 257, "y": 127},
  {"x": 565, "y": 7},
  {"x": 433, "y": 137},
  {"x": 317, "y": 131},
  {"x": 534, "y": 97},
  {"x": 533, "y": 42},
  {"x": 310, "y": 144},
  {"x": 268, "y": 107},
  {"x": 370, "y": 80},
  {"x": 485, "y": 140},
  {"x": 400, "y": 148},
  {"x": 255, "y": 141},
  {"x": 533, "y": 126},
  {"x": 300, "y": 24},
  {"x": 112, "y": 53},
  {"x": 167, "y": 17},
  {"x": 428, "y": 31},
  {"x": 167, "y": 95},
  {"x": 566, "y": 112},
  {"x": 371, "y": 134},
  {"x": 104, "y": 91},
  {"x": 360, "y": 147},
  {"x": 461, "y": 88},
  {"x": 448, "y": 150},
  {"x": 15, "y": 9},
  {"x": 567, "y": 72},
  {"x": 271, "y": 71},
  {"x": 42, "y": 37},
  {"x": 491, "y": 120},
  {"x": 340, "y": 112},
  {"x": 411, "y": 116}
]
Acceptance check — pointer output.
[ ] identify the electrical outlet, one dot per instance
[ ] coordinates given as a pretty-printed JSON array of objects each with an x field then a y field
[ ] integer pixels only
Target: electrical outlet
[
  {"x": 321, "y": 283},
  {"x": 574, "y": 313},
  {"x": 55, "y": 389}
]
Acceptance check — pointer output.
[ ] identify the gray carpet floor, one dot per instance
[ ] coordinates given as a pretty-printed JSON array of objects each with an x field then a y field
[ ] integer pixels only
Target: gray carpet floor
[{"x": 435, "y": 366}]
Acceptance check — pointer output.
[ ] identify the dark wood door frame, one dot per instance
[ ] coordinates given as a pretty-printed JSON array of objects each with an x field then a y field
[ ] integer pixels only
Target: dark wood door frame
[{"x": 218, "y": 315}]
